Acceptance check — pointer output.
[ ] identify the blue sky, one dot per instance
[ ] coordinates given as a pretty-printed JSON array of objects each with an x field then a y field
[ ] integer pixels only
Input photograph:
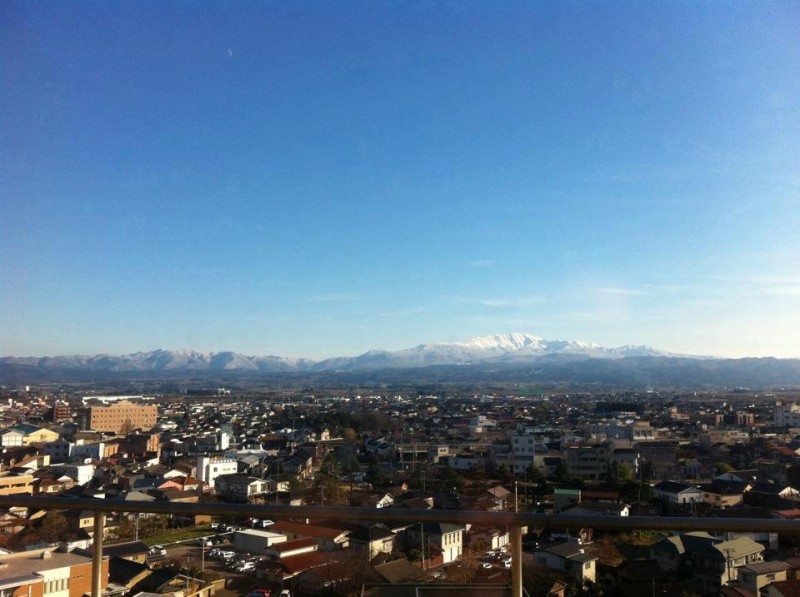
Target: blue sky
[{"x": 319, "y": 179}]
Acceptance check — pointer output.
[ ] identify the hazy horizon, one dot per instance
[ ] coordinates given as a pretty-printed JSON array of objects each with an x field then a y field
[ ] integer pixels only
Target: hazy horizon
[{"x": 313, "y": 180}]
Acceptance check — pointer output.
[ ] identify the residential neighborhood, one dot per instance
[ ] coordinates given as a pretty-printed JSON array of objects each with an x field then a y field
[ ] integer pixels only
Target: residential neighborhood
[{"x": 593, "y": 455}]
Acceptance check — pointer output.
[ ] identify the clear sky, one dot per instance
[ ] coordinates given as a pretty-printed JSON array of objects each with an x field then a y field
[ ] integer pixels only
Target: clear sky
[{"x": 323, "y": 178}]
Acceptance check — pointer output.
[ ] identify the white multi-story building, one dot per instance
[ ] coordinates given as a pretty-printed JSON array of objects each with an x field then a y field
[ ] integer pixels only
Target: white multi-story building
[
  {"x": 80, "y": 473},
  {"x": 211, "y": 467},
  {"x": 61, "y": 450}
]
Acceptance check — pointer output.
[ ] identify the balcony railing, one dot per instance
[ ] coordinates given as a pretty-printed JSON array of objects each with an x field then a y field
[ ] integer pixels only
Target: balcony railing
[{"x": 515, "y": 521}]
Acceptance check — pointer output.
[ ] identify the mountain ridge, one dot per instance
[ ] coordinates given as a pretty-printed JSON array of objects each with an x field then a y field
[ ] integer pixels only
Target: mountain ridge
[
  {"x": 512, "y": 347},
  {"x": 497, "y": 359}
]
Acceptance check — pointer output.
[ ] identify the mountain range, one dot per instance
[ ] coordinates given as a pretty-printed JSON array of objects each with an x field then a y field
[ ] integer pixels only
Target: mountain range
[
  {"x": 516, "y": 357},
  {"x": 500, "y": 349}
]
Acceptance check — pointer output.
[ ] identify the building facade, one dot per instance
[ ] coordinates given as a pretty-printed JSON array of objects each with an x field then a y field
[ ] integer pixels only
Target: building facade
[{"x": 122, "y": 417}]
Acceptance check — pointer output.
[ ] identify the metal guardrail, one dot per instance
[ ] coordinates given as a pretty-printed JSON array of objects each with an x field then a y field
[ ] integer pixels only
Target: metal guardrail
[
  {"x": 513, "y": 520},
  {"x": 403, "y": 515}
]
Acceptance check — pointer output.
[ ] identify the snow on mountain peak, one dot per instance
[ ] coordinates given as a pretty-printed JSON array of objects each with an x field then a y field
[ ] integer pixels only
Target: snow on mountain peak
[{"x": 505, "y": 342}]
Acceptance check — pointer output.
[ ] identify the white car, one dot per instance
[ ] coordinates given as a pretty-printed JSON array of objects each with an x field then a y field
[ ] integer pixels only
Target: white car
[{"x": 245, "y": 567}]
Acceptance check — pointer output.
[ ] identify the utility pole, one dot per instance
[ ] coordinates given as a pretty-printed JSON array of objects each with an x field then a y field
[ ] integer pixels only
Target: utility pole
[
  {"x": 728, "y": 563},
  {"x": 422, "y": 542}
]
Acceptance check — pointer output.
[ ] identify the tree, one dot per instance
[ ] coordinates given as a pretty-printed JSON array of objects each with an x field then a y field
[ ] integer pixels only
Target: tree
[
  {"x": 449, "y": 478},
  {"x": 504, "y": 475},
  {"x": 330, "y": 467},
  {"x": 127, "y": 428},
  {"x": 375, "y": 474},
  {"x": 533, "y": 474},
  {"x": 350, "y": 465},
  {"x": 52, "y": 527},
  {"x": 561, "y": 474},
  {"x": 625, "y": 473},
  {"x": 724, "y": 467},
  {"x": 538, "y": 579}
]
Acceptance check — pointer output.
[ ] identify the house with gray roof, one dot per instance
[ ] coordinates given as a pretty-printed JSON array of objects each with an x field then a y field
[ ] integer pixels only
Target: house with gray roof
[{"x": 568, "y": 557}]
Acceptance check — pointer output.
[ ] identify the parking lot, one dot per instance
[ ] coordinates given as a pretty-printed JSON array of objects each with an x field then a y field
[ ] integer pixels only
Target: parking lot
[{"x": 217, "y": 555}]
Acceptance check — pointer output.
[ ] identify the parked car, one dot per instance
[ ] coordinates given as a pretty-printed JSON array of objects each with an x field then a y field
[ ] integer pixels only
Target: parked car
[
  {"x": 204, "y": 542},
  {"x": 245, "y": 567},
  {"x": 158, "y": 550}
]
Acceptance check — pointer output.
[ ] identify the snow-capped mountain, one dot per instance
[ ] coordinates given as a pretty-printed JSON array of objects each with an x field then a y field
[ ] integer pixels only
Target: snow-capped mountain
[
  {"x": 499, "y": 348},
  {"x": 163, "y": 360},
  {"x": 520, "y": 358}
]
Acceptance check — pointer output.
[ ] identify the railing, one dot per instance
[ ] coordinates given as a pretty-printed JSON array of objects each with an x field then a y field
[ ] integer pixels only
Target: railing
[{"x": 513, "y": 520}]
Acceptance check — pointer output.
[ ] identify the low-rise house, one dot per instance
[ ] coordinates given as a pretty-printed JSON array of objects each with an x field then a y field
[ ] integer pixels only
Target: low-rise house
[
  {"x": 79, "y": 520},
  {"x": 711, "y": 562},
  {"x": 500, "y": 495},
  {"x": 724, "y": 494},
  {"x": 568, "y": 557},
  {"x": 674, "y": 492},
  {"x": 23, "y": 434},
  {"x": 47, "y": 485},
  {"x": 373, "y": 539},
  {"x": 487, "y": 538},
  {"x": 446, "y": 537},
  {"x": 782, "y": 588},
  {"x": 135, "y": 551},
  {"x": 239, "y": 488},
  {"x": 771, "y": 495},
  {"x": 127, "y": 573},
  {"x": 754, "y": 577}
]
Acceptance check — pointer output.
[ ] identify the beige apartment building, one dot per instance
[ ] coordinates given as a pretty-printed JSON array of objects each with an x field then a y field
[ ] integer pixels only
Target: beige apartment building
[{"x": 123, "y": 417}]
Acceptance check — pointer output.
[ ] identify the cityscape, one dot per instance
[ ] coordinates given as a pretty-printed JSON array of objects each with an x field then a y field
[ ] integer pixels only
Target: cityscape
[
  {"x": 400, "y": 299},
  {"x": 710, "y": 454}
]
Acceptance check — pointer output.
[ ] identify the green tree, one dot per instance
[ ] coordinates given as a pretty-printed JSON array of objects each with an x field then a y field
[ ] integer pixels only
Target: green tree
[
  {"x": 449, "y": 478},
  {"x": 375, "y": 474},
  {"x": 561, "y": 473},
  {"x": 533, "y": 474},
  {"x": 350, "y": 465},
  {"x": 330, "y": 467},
  {"x": 724, "y": 467},
  {"x": 504, "y": 475}
]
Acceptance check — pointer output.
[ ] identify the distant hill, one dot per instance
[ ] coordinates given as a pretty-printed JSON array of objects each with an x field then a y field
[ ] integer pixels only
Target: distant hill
[{"x": 500, "y": 358}]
